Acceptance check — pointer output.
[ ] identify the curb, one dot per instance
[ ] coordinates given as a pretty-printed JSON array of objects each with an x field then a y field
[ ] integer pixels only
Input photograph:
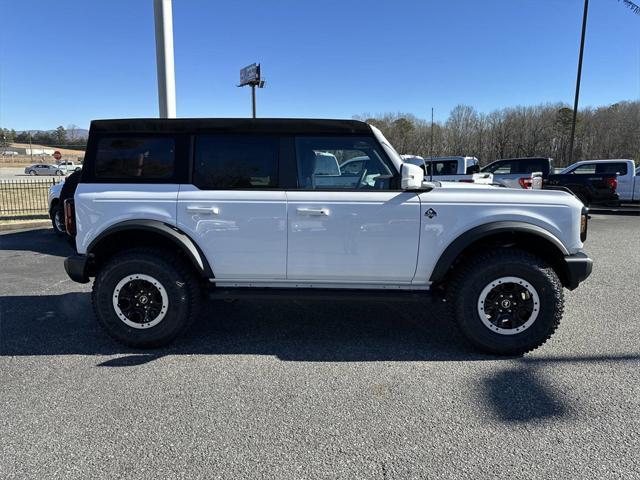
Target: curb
[{"x": 6, "y": 227}]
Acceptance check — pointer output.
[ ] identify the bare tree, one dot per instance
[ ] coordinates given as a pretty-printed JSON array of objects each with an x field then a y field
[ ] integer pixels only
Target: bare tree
[{"x": 611, "y": 131}]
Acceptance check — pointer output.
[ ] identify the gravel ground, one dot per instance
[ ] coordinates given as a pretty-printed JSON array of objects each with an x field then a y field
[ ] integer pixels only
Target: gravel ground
[{"x": 316, "y": 390}]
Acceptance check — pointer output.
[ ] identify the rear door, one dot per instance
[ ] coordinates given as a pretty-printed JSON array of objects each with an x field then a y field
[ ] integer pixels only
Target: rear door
[
  {"x": 347, "y": 222},
  {"x": 234, "y": 208}
]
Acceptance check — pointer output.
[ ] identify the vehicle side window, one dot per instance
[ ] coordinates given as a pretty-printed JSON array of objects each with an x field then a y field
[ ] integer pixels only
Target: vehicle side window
[
  {"x": 346, "y": 163},
  {"x": 528, "y": 166},
  {"x": 236, "y": 162},
  {"x": 619, "y": 168},
  {"x": 585, "y": 169},
  {"x": 445, "y": 167},
  {"x": 500, "y": 168},
  {"x": 135, "y": 157}
]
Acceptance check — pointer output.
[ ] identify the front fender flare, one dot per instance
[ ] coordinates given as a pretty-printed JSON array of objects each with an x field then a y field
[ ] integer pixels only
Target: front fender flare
[{"x": 455, "y": 248}]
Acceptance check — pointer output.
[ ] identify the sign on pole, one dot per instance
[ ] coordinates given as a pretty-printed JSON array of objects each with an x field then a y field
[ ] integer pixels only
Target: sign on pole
[
  {"x": 57, "y": 155},
  {"x": 250, "y": 75}
]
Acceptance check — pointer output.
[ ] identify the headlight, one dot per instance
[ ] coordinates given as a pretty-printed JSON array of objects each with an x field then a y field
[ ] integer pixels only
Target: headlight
[{"x": 584, "y": 221}]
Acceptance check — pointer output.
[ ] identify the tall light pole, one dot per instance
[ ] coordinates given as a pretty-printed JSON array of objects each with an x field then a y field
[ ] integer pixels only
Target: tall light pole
[
  {"x": 575, "y": 102},
  {"x": 164, "y": 58}
]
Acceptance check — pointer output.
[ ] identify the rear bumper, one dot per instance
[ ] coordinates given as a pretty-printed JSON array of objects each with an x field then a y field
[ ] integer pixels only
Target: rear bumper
[
  {"x": 579, "y": 267},
  {"x": 76, "y": 268}
]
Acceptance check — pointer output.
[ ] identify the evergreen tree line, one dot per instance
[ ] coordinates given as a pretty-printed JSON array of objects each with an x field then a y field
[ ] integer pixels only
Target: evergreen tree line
[{"x": 611, "y": 131}]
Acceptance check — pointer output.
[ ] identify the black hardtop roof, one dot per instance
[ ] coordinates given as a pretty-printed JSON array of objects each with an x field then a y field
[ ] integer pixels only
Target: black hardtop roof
[{"x": 231, "y": 125}]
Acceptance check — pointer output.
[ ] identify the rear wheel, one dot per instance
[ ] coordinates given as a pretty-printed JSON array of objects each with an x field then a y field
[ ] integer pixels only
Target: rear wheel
[
  {"x": 57, "y": 220},
  {"x": 59, "y": 173},
  {"x": 145, "y": 297},
  {"x": 507, "y": 302}
]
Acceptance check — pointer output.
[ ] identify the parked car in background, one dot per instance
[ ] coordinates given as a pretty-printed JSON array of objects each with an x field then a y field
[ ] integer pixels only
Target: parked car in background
[
  {"x": 627, "y": 175},
  {"x": 43, "y": 169},
  {"x": 8, "y": 153},
  {"x": 56, "y": 209},
  {"x": 69, "y": 166},
  {"x": 509, "y": 171},
  {"x": 597, "y": 189}
]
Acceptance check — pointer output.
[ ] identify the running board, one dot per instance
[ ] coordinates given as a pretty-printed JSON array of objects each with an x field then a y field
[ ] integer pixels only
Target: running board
[{"x": 227, "y": 293}]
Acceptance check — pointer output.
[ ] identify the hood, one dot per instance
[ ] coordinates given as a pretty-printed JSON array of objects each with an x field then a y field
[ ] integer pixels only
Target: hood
[{"x": 493, "y": 194}]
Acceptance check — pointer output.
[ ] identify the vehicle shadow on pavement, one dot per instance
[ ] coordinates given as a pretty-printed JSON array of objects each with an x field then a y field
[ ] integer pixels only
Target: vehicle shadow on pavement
[
  {"x": 299, "y": 331},
  {"x": 38, "y": 241},
  {"x": 311, "y": 331}
]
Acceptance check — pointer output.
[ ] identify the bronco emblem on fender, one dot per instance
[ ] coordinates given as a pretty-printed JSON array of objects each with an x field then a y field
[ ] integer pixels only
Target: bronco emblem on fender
[{"x": 431, "y": 213}]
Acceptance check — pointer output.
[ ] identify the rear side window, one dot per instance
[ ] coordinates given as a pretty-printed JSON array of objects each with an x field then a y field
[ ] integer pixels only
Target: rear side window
[
  {"x": 618, "y": 168},
  {"x": 236, "y": 162},
  {"x": 530, "y": 166},
  {"x": 447, "y": 167},
  {"x": 135, "y": 157}
]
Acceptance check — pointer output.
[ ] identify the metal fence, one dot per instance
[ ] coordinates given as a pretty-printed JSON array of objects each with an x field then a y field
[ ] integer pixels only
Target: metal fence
[{"x": 25, "y": 197}]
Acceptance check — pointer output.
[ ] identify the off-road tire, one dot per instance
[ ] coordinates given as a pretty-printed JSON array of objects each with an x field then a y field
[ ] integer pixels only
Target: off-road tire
[
  {"x": 476, "y": 273},
  {"x": 178, "y": 279}
]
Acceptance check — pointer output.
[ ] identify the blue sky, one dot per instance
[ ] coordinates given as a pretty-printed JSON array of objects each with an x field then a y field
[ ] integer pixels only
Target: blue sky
[{"x": 66, "y": 61}]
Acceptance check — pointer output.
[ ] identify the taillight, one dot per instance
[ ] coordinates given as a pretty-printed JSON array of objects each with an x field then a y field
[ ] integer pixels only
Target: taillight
[
  {"x": 612, "y": 183},
  {"x": 70, "y": 217},
  {"x": 525, "y": 182}
]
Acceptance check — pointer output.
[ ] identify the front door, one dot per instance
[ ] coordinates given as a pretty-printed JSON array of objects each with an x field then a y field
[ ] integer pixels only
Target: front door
[{"x": 346, "y": 225}]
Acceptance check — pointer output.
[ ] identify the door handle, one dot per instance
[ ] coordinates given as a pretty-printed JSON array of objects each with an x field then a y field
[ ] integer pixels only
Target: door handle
[
  {"x": 209, "y": 210},
  {"x": 316, "y": 212}
]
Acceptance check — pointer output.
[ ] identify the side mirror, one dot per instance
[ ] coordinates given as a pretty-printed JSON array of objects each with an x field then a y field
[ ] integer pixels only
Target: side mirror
[
  {"x": 412, "y": 177},
  {"x": 471, "y": 169}
]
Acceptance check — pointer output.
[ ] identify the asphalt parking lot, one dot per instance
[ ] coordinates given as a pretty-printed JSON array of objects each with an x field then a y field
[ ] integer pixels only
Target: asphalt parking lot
[{"x": 261, "y": 389}]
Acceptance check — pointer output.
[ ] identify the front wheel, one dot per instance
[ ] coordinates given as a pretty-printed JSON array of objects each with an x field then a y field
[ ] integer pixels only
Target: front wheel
[
  {"x": 507, "y": 302},
  {"x": 59, "y": 173},
  {"x": 146, "y": 297},
  {"x": 32, "y": 172}
]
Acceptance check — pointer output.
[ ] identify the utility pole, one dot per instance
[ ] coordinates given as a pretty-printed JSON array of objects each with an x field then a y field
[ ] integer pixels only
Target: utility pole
[
  {"x": 30, "y": 147},
  {"x": 431, "y": 149},
  {"x": 164, "y": 58},
  {"x": 575, "y": 102},
  {"x": 253, "y": 100}
]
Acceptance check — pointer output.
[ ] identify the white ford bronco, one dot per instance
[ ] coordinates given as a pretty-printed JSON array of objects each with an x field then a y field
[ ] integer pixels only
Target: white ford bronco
[{"x": 168, "y": 210}]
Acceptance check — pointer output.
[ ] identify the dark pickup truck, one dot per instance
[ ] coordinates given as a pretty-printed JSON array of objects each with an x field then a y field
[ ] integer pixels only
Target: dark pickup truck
[{"x": 599, "y": 189}]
